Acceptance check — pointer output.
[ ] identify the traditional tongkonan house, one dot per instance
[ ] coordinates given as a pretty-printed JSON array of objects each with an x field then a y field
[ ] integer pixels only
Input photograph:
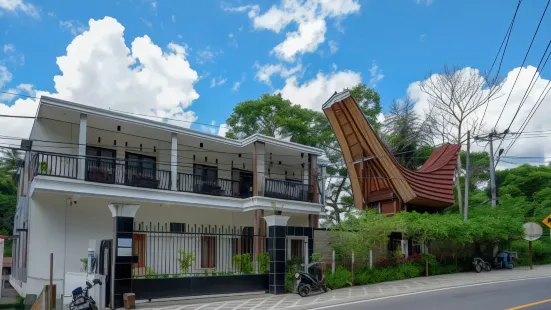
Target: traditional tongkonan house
[{"x": 378, "y": 180}]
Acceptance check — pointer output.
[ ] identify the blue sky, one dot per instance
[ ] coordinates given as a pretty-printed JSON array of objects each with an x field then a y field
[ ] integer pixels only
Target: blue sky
[{"x": 386, "y": 44}]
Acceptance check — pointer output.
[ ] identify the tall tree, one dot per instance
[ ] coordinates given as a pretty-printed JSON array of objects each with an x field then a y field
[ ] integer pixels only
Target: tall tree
[
  {"x": 275, "y": 116},
  {"x": 10, "y": 160},
  {"x": 454, "y": 95},
  {"x": 405, "y": 134}
]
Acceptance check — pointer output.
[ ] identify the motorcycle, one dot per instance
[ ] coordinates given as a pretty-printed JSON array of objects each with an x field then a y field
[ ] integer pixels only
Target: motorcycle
[
  {"x": 311, "y": 281},
  {"x": 81, "y": 299},
  {"x": 479, "y": 264}
]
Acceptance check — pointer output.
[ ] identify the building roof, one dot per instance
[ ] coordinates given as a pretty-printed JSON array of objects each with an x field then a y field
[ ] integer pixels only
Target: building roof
[
  {"x": 91, "y": 110},
  {"x": 431, "y": 185}
]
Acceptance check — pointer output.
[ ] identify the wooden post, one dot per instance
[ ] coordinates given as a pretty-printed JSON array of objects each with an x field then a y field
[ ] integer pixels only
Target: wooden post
[
  {"x": 51, "y": 296},
  {"x": 530, "y": 249}
]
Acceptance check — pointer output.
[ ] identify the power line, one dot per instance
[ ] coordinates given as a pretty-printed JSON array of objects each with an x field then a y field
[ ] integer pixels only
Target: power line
[
  {"x": 523, "y": 61},
  {"x": 506, "y": 42}
]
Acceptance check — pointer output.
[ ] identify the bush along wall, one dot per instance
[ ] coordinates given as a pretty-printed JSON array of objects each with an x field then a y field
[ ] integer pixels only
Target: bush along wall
[{"x": 392, "y": 270}]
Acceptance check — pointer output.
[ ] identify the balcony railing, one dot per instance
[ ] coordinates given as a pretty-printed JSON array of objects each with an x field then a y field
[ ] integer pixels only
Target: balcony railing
[
  {"x": 144, "y": 174},
  {"x": 288, "y": 190},
  {"x": 217, "y": 187}
]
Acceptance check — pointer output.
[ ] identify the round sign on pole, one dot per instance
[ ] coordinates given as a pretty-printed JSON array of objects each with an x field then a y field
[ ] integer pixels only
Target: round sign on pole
[{"x": 532, "y": 231}]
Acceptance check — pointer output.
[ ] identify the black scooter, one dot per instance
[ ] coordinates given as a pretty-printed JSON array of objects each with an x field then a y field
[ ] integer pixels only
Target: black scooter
[
  {"x": 81, "y": 299},
  {"x": 307, "y": 283}
]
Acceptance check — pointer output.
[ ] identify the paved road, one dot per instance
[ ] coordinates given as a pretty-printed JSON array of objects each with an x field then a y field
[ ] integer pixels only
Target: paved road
[{"x": 500, "y": 296}]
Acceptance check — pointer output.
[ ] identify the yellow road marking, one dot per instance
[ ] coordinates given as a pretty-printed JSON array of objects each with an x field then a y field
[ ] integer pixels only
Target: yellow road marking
[{"x": 530, "y": 304}]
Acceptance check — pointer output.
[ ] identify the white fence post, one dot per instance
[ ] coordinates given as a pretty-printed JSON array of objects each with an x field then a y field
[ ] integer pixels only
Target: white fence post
[
  {"x": 370, "y": 259},
  {"x": 333, "y": 262}
]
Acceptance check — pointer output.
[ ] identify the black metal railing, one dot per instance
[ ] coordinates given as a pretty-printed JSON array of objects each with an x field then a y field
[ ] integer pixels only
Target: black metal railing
[
  {"x": 125, "y": 172},
  {"x": 288, "y": 190},
  {"x": 218, "y": 187},
  {"x": 57, "y": 165},
  {"x": 177, "y": 250},
  {"x": 146, "y": 175}
]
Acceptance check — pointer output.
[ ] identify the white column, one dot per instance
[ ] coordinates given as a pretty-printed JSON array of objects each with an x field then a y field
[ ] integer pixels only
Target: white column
[
  {"x": 82, "y": 146},
  {"x": 259, "y": 168},
  {"x": 174, "y": 162}
]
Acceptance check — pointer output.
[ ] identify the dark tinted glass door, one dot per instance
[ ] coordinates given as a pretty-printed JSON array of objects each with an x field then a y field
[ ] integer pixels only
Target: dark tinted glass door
[{"x": 100, "y": 165}]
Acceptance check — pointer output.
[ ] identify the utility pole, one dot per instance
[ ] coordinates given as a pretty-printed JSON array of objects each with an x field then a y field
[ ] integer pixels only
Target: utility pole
[
  {"x": 467, "y": 176},
  {"x": 492, "y": 171},
  {"x": 490, "y": 139}
]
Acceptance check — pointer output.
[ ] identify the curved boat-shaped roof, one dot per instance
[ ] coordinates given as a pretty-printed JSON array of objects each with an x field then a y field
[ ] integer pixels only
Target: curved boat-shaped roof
[{"x": 363, "y": 150}]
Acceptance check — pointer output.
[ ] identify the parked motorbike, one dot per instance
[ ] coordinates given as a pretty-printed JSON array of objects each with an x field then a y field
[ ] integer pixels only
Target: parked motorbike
[
  {"x": 503, "y": 260},
  {"x": 479, "y": 264},
  {"x": 81, "y": 299},
  {"x": 309, "y": 282}
]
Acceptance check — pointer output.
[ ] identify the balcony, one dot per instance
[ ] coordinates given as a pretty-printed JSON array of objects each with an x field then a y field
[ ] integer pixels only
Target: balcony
[
  {"x": 144, "y": 174},
  {"x": 288, "y": 190}
]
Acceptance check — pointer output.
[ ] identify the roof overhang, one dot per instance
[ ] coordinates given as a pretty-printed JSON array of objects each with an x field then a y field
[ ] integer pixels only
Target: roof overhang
[{"x": 91, "y": 110}]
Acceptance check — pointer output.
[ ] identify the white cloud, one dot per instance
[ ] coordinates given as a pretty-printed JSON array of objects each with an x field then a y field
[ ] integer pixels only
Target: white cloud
[
  {"x": 306, "y": 40},
  {"x": 333, "y": 46},
  {"x": 5, "y": 76},
  {"x": 75, "y": 27},
  {"x": 265, "y": 72},
  {"x": 238, "y": 84},
  {"x": 9, "y": 48},
  {"x": 310, "y": 17},
  {"x": 426, "y": 2},
  {"x": 313, "y": 93},
  {"x": 217, "y": 82},
  {"x": 22, "y": 88},
  {"x": 147, "y": 23},
  {"x": 233, "y": 40},
  {"x": 375, "y": 74},
  {"x": 209, "y": 129},
  {"x": 538, "y": 145},
  {"x": 99, "y": 66},
  {"x": 222, "y": 130},
  {"x": 207, "y": 55},
  {"x": 19, "y": 5}
]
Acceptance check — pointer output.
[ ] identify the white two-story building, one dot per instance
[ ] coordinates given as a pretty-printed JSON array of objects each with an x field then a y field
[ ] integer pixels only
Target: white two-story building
[{"x": 189, "y": 193}]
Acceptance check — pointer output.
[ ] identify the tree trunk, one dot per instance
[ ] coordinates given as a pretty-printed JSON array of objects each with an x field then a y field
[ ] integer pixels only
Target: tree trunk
[{"x": 458, "y": 186}]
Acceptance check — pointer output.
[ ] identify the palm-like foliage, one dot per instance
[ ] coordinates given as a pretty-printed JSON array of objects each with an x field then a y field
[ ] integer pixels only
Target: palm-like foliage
[{"x": 10, "y": 161}]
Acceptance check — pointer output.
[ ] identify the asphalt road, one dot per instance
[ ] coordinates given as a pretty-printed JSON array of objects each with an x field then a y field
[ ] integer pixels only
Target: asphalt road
[{"x": 496, "y": 296}]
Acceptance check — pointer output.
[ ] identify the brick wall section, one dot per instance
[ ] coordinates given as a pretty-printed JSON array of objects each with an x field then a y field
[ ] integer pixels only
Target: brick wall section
[{"x": 322, "y": 244}]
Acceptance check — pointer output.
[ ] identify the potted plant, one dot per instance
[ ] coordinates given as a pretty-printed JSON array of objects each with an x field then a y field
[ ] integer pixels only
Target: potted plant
[{"x": 43, "y": 167}]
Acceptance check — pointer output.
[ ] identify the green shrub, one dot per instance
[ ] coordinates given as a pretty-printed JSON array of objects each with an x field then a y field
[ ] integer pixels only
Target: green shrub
[
  {"x": 316, "y": 257},
  {"x": 341, "y": 278},
  {"x": 243, "y": 263},
  {"x": 263, "y": 262},
  {"x": 185, "y": 260},
  {"x": 289, "y": 282}
]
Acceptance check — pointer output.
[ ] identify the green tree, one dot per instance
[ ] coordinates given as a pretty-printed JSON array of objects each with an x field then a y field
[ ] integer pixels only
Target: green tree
[
  {"x": 275, "y": 116},
  {"x": 10, "y": 160},
  {"x": 405, "y": 133}
]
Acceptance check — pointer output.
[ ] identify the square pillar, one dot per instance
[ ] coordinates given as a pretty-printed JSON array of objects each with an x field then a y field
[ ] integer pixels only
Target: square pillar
[
  {"x": 81, "y": 172},
  {"x": 174, "y": 163},
  {"x": 259, "y": 231},
  {"x": 277, "y": 233},
  {"x": 122, "y": 260},
  {"x": 259, "y": 168},
  {"x": 313, "y": 176}
]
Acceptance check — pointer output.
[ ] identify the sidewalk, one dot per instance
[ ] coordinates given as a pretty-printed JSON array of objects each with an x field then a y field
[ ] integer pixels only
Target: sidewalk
[{"x": 357, "y": 292}]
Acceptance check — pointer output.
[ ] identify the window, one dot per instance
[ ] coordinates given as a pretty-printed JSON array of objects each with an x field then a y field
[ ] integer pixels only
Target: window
[
  {"x": 140, "y": 167},
  {"x": 208, "y": 252},
  {"x": 177, "y": 227},
  {"x": 205, "y": 173}
]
